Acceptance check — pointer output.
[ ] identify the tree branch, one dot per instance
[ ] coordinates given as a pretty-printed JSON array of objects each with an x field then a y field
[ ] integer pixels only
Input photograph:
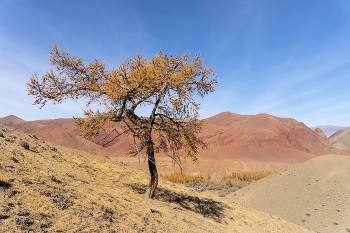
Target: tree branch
[{"x": 173, "y": 158}]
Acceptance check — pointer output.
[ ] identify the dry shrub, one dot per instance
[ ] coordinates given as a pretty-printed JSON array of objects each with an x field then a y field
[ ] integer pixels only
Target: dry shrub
[
  {"x": 14, "y": 159},
  {"x": 54, "y": 179},
  {"x": 22, "y": 211},
  {"x": 62, "y": 201},
  {"x": 17, "y": 153},
  {"x": 21, "y": 220},
  {"x": 24, "y": 144}
]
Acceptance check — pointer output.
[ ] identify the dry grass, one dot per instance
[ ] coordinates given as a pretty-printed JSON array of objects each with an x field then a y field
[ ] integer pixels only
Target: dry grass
[
  {"x": 244, "y": 177},
  {"x": 178, "y": 177},
  {"x": 235, "y": 177},
  {"x": 227, "y": 183}
]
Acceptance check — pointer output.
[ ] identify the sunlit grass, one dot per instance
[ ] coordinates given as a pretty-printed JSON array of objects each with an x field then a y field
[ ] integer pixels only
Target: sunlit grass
[
  {"x": 178, "y": 177},
  {"x": 244, "y": 177},
  {"x": 234, "y": 177}
]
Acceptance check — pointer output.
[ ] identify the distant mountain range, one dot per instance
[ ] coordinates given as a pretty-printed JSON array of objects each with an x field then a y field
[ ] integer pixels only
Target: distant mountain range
[
  {"x": 261, "y": 138},
  {"x": 329, "y": 130}
]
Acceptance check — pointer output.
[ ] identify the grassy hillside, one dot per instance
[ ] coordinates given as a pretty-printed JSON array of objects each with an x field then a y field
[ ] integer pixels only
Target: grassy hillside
[{"x": 49, "y": 188}]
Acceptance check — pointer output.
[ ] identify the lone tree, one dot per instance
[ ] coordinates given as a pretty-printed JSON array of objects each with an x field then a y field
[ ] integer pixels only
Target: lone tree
[{"x": 167, "y": 84}]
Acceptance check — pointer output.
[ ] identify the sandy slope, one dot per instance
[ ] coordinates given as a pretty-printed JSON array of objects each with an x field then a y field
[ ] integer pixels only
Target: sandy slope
[
  {"x": 46, "y": 189},
  {"x": 314, "y": 194}
]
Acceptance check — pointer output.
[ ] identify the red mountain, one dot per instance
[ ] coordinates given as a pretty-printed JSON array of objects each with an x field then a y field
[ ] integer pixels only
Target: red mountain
[{"x": 261, "y": 138}]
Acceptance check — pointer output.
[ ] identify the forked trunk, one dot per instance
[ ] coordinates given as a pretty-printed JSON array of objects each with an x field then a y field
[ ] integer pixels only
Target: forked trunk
[{"x": 153, "y": 171}]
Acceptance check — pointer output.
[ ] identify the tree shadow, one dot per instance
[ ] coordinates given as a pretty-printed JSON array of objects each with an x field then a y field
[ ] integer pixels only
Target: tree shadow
[
  {"x": 207, "y": 207},
  {"x": 4, "y": 184}
]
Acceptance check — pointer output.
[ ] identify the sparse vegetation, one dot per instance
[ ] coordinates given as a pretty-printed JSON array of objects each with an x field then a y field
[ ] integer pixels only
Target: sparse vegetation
[
  {"x": 227, "y": 183},
  {"x": 244, "y": 177},
  {"x": 178, "y": 177},
  {"x": 24, "y": 144}
]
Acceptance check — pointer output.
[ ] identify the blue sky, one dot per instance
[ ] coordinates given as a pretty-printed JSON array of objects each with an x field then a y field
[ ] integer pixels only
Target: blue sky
[{"x": 284, "y": 58}]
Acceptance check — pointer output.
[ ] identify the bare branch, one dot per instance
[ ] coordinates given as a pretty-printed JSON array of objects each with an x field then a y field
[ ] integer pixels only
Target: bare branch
[
  {"x": 119, "y": 134},
  {"x": 173, "y": 158}
]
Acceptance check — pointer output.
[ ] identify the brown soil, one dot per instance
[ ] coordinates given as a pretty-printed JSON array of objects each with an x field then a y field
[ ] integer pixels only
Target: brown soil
[{"x": 49, "y": 188}]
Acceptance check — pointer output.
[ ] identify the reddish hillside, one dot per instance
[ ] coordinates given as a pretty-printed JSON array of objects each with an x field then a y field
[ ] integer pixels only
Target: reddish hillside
[
  {"x": 62, "y": 123},
  {"x": 11, "y": 120},
  {"x": 262, "y": 137},
  {"x": 116, "y": 147},
  {"x": 50, "y": 133}
]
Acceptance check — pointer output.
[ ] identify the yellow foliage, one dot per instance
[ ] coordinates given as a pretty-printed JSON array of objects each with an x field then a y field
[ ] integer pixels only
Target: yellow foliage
[
  {"x": 177, "y": 177},
  {"x": 229, "y": 180},
  {"x": 246, "y": 177}
]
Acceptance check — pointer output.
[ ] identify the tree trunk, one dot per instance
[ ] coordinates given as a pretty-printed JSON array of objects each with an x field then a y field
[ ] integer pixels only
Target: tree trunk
[{"x": 153, "y": 171}]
